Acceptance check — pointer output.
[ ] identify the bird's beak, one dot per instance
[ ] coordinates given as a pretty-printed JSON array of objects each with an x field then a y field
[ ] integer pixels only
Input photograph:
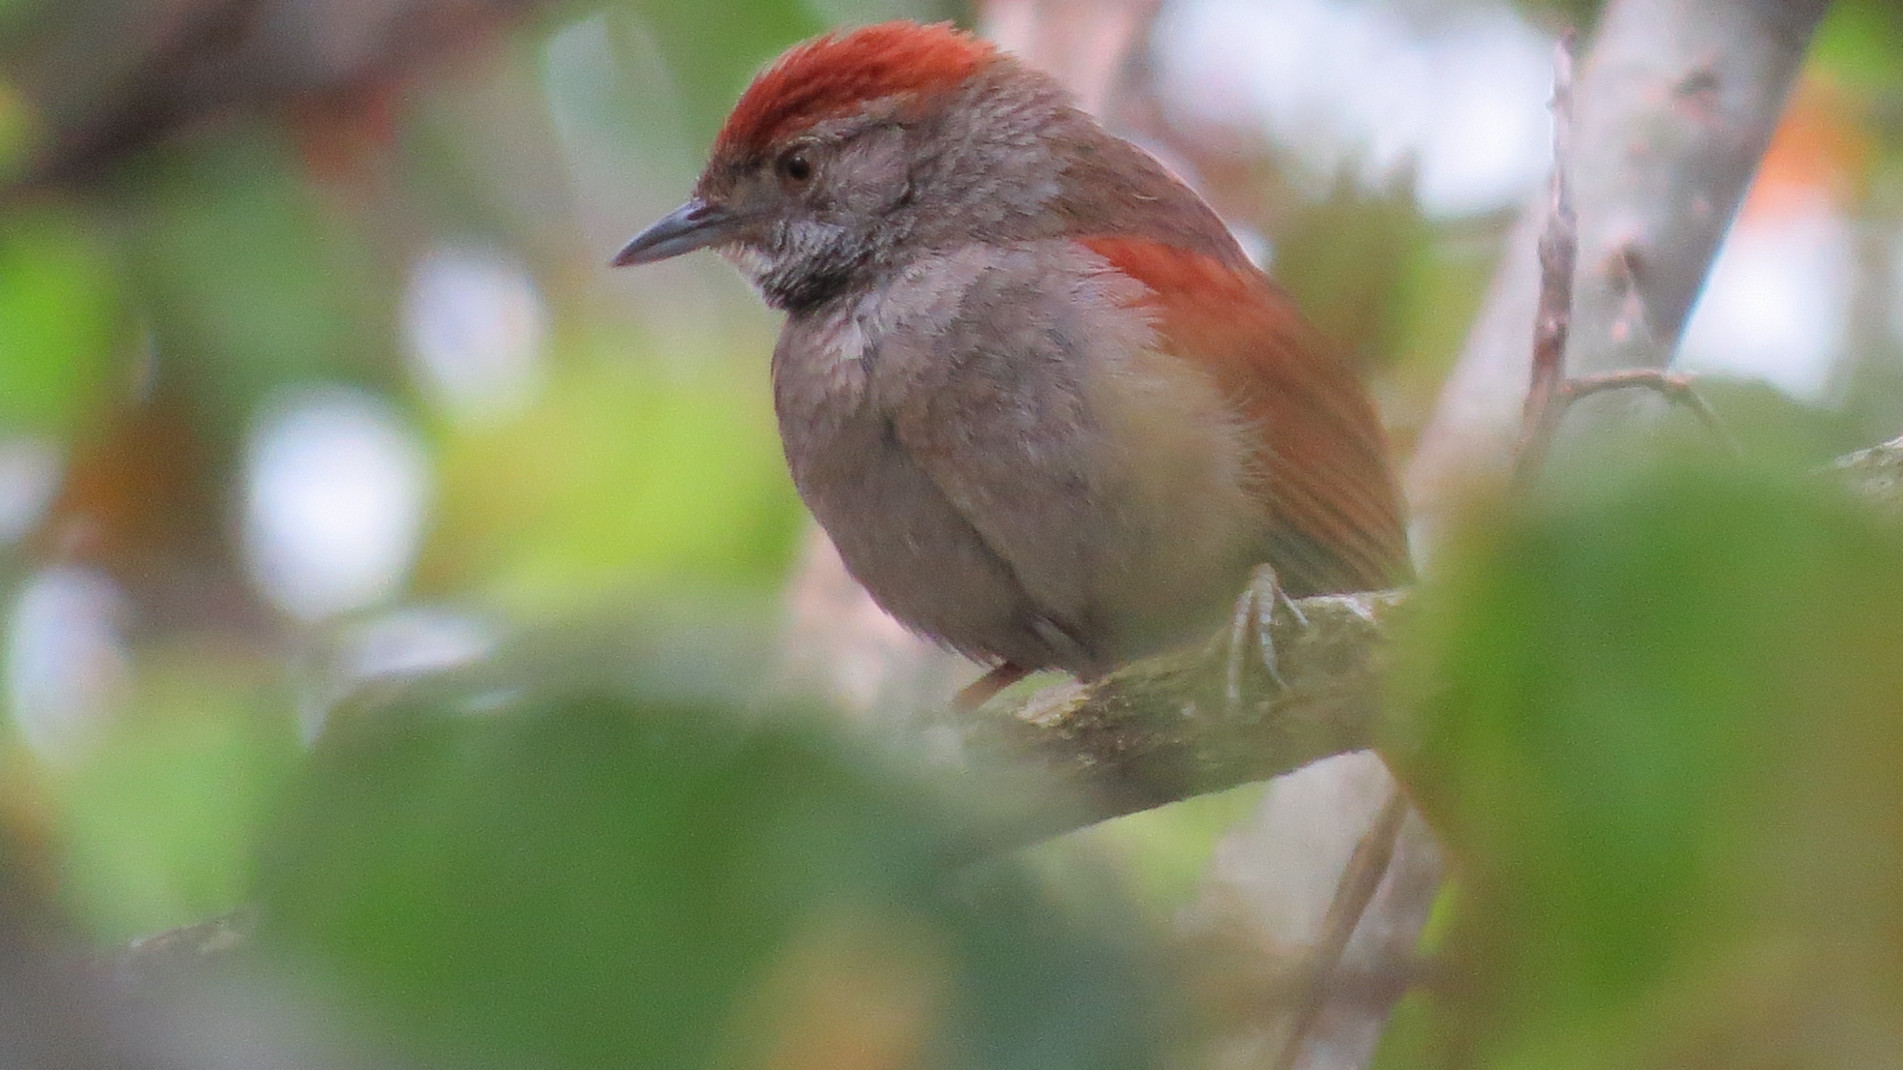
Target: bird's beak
[{"x": 694, "y": 225}]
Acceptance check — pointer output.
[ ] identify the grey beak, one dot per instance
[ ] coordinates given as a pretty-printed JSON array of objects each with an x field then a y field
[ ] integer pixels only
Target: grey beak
[{"x": 694, "y": 225}]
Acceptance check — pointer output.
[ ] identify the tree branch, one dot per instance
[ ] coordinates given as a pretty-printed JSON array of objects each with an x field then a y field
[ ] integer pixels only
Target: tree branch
[
  {"x": 1163, "y": 729},
  {"x": 1679, "y": 100},
  {"x": 1676, "y": 100}
]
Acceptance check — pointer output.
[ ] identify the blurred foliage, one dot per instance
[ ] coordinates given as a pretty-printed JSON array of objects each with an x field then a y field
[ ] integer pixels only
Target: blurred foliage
[
  {"x": 1657, "y": 727},
  {"x": 58, "y": 320},
  {"x": 1861, "y": 43},
  {"x": 251, "y": 317},
  {"x": 525, "y": 498},
  {"x": 1654, "y": 721},
  {"x": 161, "y": 818},
  {"x": 1337, "y": 254},
  {"x": 578, "y": 882}
]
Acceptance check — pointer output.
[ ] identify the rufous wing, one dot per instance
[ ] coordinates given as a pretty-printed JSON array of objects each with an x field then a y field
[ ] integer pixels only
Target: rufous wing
[{"x": 1334, "y": 516}]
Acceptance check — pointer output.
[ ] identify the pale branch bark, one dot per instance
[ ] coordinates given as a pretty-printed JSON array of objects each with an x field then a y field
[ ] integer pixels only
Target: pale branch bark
[
  {"x": 1676, "y": 101},
  {"x": 1360, "y": 879},
  {"x": 1281, "y": 894}
]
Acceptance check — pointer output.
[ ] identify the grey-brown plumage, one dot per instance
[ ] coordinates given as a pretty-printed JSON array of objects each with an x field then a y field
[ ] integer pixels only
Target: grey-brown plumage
[{"x": 1045, "y": 408}]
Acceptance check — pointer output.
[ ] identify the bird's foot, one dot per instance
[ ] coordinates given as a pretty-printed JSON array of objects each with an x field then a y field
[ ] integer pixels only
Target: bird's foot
[{"x": 1252, "y": 627}]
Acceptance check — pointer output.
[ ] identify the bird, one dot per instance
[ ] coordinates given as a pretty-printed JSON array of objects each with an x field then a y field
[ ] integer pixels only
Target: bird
[{"x": 1046, "y": 408}]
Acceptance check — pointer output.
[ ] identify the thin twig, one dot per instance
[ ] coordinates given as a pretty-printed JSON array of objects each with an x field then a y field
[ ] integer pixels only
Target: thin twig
[
  {"x": 1559, "y": 252},
  {"x": 1360, "y": 879},
  {"x": 1673, "y": 387}
]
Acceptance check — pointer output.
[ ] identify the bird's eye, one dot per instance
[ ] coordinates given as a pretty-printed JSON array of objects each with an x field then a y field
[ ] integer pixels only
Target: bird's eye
[{"x": 795, "y": 167}]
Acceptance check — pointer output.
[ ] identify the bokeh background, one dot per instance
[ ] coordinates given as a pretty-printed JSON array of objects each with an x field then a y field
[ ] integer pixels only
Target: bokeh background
[{"x": 313, "y": 380}]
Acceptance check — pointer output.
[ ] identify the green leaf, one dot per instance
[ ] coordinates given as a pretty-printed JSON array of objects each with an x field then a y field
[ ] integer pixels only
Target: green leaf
[
  {"x": 584, "y": 881},
  {"x": 1657, "y": 726}
]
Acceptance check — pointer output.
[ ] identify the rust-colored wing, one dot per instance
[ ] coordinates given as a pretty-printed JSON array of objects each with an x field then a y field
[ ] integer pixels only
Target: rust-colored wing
[{"x": 1335, "y": 517}]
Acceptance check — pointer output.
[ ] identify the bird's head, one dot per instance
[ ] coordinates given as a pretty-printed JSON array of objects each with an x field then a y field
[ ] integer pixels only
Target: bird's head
[{"x": 853, "y": 150}]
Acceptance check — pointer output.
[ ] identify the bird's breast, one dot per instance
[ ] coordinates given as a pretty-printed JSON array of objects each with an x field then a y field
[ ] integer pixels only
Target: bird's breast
[{"x": 996, "y": 441}]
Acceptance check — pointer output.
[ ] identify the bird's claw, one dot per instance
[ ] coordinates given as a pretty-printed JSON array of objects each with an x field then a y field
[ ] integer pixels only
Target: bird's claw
[{"x": 1255, "y": 615}]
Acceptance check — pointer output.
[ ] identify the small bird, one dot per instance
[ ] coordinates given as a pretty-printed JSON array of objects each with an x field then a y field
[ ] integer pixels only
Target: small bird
[{"x": 1047, "y": 410}]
